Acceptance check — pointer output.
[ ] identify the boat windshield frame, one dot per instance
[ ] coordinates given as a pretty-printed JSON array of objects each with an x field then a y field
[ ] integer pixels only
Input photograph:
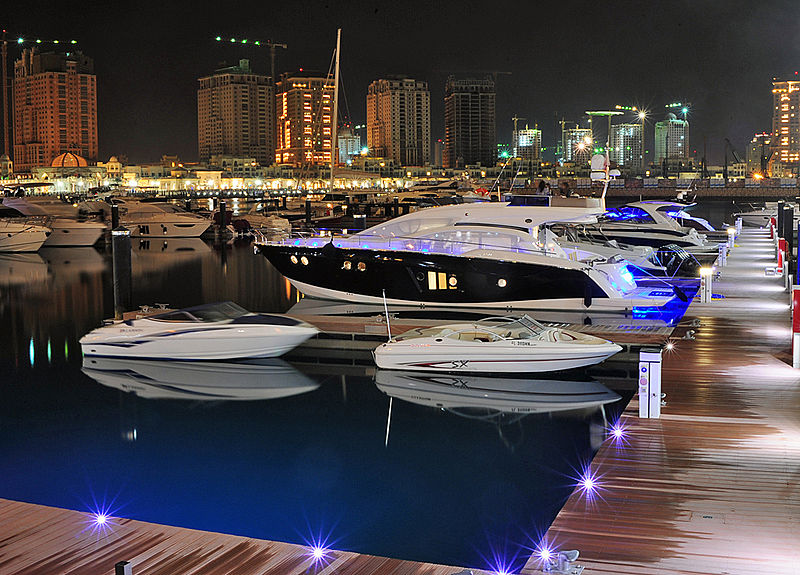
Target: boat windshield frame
[{"x": 208, "y": 313}]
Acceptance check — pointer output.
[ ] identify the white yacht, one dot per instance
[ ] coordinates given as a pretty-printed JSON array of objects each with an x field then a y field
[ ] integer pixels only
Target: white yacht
[
  {"x": 66, "y": 230},
  {"x": 493, "y": 345},
  {"x": 200, "y": 381},
  {"x": 151, "y": 219},
  {"x": 218, "y": 331},
  {"x": 18, "y": 236},
  {"x": 471, "y": 255}
]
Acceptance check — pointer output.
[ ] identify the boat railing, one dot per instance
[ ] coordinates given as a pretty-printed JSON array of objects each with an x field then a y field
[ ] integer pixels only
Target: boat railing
[{"x": 445, "y": 246}]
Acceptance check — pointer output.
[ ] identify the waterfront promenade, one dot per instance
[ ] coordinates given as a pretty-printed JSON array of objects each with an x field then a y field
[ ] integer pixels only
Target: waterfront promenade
[{"x": 714, "y": 485}]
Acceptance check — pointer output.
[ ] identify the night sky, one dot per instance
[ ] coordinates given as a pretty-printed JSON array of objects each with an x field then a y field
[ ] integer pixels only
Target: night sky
[{"x": 563, "y": 57}]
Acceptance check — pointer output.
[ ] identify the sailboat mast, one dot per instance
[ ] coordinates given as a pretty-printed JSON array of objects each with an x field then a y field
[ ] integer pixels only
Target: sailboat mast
[{"x": 335, "y": 117}]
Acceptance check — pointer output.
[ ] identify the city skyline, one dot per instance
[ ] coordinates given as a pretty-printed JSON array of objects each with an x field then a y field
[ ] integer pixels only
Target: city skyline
[{"x": 147, "y": 74}]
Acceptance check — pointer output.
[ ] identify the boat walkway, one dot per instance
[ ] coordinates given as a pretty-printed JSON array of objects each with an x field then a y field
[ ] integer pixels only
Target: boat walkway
[{"x": 713, "y": 486}]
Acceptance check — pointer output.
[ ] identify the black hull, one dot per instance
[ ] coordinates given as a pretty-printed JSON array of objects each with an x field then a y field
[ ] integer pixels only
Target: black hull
[{"x": 428, "y": 278}]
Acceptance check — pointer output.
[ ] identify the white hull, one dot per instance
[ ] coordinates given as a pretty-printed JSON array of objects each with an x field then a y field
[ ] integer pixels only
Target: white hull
[
  {"x": 211, "y": 344},
  {"x": 487, "y": 358},
  {"x": 637, "y": 298},
  {"x": 24, "y": 239},
  {"x": 158, "y": 228},
  {"x": 73, "y": 234},
  {"x": 271, "y": 379}
]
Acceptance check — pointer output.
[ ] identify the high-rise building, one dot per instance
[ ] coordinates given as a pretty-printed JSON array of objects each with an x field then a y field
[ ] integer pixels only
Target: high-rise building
[
  {"x": 672, "y": 139},
  {"x": 626, "y": 146},
  {"x": 349, "y": 144},
  {"x": 577, "y": 144},
  {"x": 528, "y": 144},
  {"x": 470, "y": 133},
  {"x": 236, "y": 114},
  {"x": 55, "y": 108},
  {"x": 304, "y": 109},
  {"x": 786, "y": 123},
  {"x": 399, "y": 121},
  {"x": 758, "y": 153}
]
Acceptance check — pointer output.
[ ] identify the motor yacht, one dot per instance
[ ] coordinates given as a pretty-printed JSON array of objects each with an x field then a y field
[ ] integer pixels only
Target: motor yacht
[
  {"x": 61, "y": 218},
  {"x": 493, "y": 345},
  {"x": 215, "y": 331},
  {"x": 200, "y": 381},
  {"x": 647, "y": 224},
  {"x": 498, "y": 254},
  {"x": 21, "y": 236},
  {"x": 459, "y": 392},
  {"x": 151, "y": 219}
]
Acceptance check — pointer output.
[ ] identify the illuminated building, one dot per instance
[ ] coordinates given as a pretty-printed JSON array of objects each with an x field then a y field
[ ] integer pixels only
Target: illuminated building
[
  {"x": 349, "y": 144},
  {"x": 399, "y": 121},
  {"x": 470, "y": 133},
  {"x": 55, "y": 108},
  {"x": 303, "y": 109},
  {"x": 672, "y": 139},
  {"x": 577, "y": 144},
  {"x": 626, "y": 146},
  {"x": 235, "y": 114},
  {"x": 758, "y": 152},
  {"x": 528, "y": 144},
  {"x": 786, "y": 122}
]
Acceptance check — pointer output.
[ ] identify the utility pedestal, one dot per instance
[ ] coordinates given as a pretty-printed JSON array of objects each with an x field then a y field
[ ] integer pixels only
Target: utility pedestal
[
  {"x": 650, "y": 383},
  {"x": 796, "y": 327},
  {"x": 706, "y": 283}
]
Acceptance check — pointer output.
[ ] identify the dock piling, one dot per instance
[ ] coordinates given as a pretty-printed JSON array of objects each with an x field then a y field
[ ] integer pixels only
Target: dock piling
[{"x": 121, "y": 261}]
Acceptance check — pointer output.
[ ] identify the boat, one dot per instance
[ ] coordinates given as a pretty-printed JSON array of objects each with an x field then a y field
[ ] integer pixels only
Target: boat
[
  {"x": 21, "y": 236},
  {"x": 493, "y": 345},
  {"x": 458, "y": 393},
  {"x": 646, "y": 224},
  {"x": 216, "y": 331},
  {"x": 151, "y": 219},
  {"x": 497, "y": 254},
  {"x": 66, "y": 229},
  {"x": 200, "y": 381}
]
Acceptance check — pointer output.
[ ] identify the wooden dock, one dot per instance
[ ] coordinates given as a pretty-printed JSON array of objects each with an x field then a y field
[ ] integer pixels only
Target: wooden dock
[
  {"x": 39, "y": 540},
  {"x": 714, "y": 485}
]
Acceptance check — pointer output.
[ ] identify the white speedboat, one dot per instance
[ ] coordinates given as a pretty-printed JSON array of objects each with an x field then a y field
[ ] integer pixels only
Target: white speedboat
[
  {"x": 455, "y": 392},
  {"x": 21, "y": 237},
  {"x": 199, "y": 381},
  {"x": 151, "y": 219},
  {"x": 215, "y": 331},
  {"x": 493, "y": 345}
]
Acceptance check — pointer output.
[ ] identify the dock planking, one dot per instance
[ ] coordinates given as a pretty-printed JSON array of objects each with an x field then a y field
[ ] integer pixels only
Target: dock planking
[
  {"x": 714, "y": 485},
  {"x": 40, "y": 540}
]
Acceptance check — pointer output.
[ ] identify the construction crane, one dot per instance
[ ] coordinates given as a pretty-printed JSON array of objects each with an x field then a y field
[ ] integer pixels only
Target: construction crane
[
  {"x": 273, "y": 46},
  {"x": 737, "y": 159}
]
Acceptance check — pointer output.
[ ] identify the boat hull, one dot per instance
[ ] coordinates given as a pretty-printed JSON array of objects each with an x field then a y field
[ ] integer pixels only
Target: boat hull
[
  {"x": 491, "y": 358},
  {"x": 413, "y": 278},
  {"x": 73, "y": 234},
  {"x": 156, "y": 228},
  {"x": 197, "y": 343},
  {"x": 12, "y": 241}
]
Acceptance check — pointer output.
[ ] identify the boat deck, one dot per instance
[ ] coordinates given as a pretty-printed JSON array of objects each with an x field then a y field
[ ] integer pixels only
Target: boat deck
[{"x": 714, "y": 485}]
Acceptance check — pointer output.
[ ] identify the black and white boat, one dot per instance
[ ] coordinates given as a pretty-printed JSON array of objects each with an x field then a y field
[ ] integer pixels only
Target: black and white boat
[
  {"x": 491, "y": 255},
  {"x": 647, "y": 224}
]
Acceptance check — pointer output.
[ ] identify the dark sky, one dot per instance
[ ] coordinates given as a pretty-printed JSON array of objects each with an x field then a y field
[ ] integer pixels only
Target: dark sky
[{"x": 562, "y": 56}]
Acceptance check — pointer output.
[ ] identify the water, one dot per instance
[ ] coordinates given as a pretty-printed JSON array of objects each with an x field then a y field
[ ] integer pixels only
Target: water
[{"x": 454, "y": 486}]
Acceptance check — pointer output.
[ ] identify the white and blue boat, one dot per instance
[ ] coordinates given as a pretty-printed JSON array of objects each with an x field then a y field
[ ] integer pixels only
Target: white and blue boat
[{"x": 217, "y": 331}]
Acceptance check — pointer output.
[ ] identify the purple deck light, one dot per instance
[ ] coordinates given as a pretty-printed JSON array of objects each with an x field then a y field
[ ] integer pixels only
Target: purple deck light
[{"x": 100, "y": 519}]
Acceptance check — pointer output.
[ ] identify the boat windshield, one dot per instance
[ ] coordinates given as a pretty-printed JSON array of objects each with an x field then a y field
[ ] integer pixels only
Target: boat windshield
[
  {"x": 627, "y": 214},
  {"x": 209, "y": 313},
  {"x": 524, "y": 327}
]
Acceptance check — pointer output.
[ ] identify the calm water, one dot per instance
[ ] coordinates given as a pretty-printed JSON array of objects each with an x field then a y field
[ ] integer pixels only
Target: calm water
[{"x": 450, "y": 486}]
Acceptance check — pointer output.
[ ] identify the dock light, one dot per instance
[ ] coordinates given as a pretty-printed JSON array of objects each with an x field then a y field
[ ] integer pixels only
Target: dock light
[
  {"x": 617, "y": 432},
  {"x": 669, "y": 346},
  {"x": 545, "y": 553},
  {"x": 706, "y": 271},
  {"x": 100, "y": 519}
]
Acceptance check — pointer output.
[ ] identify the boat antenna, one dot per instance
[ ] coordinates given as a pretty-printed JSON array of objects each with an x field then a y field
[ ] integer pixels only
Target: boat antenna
[{"x": 386, "y": 311}]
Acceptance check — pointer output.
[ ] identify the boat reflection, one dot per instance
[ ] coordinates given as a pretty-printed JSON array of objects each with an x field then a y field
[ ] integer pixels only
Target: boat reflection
[
  {"x": 200, "y": 381},
  {"x": 460, "y": 393},
  {"x": 500, "y": 401},
  {"x": 19, "y": 269}
]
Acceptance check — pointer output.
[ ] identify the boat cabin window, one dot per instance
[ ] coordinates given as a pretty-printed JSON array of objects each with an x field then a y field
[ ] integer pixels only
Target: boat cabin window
[{"x": 627, "y": 214}]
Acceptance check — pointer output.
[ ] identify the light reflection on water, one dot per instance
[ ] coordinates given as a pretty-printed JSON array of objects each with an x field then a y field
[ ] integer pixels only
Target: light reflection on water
[{"x": 264, "y": 449}]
